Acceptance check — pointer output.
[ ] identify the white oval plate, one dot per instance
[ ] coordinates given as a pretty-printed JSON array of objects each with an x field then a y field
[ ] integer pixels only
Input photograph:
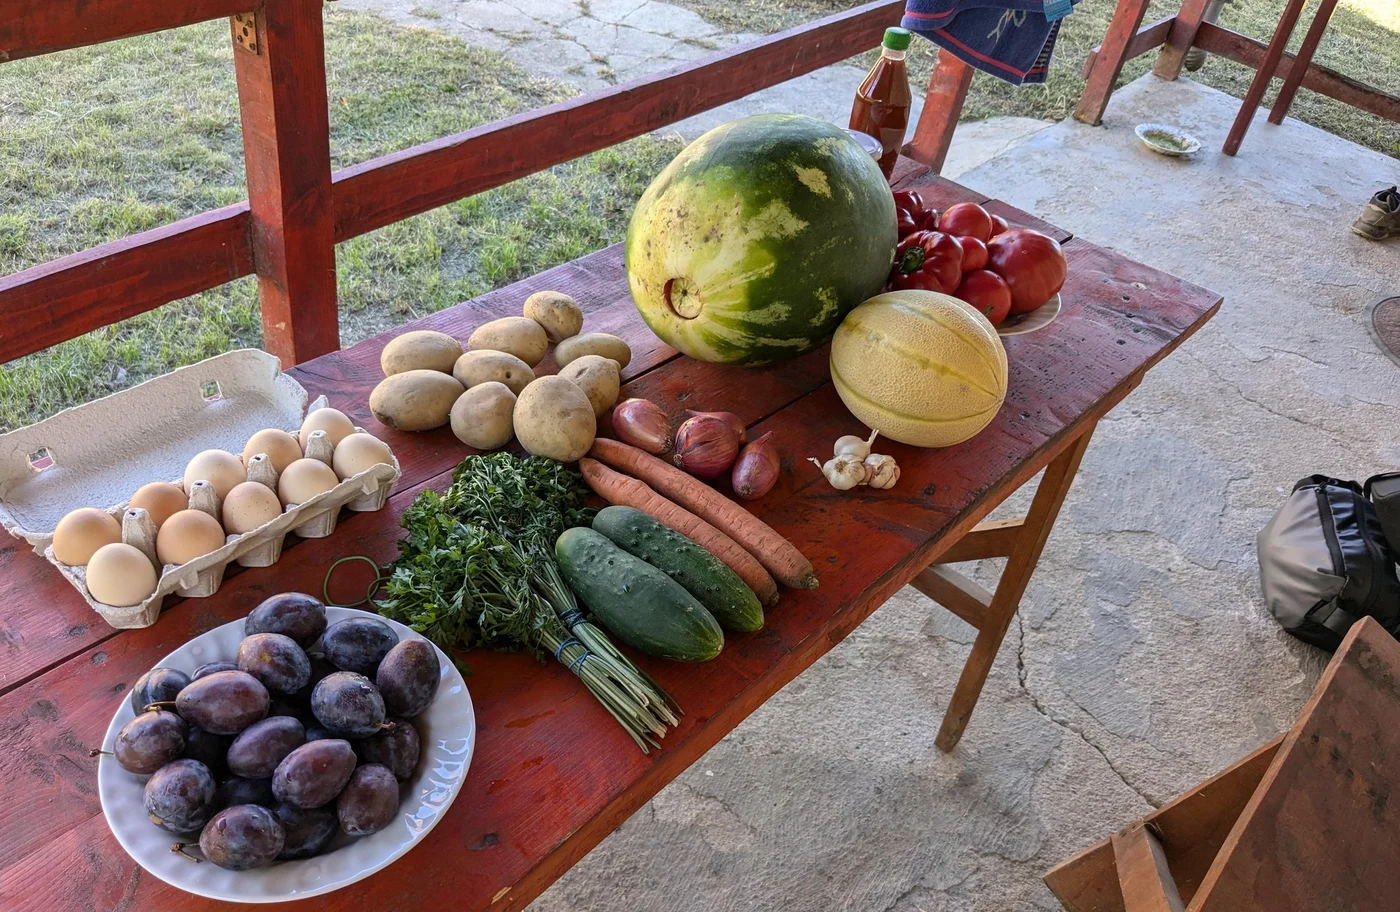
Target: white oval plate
[
  {"x": 448, "y": 733},
  {"x": 1030, "y": 321},
  {"x": 1167, "y": 140}
]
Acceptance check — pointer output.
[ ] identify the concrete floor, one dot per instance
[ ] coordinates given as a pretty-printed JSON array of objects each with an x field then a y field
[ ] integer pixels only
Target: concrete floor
[{"x": 1143, "y": 660}]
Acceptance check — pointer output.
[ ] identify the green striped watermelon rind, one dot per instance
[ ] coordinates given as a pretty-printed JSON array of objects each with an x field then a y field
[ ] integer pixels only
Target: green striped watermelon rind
[{"x": 755, "y": 242}]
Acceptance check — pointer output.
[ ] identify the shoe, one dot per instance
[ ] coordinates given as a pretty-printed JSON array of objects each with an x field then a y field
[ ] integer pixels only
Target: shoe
[{"x": 1381, "y": 217}]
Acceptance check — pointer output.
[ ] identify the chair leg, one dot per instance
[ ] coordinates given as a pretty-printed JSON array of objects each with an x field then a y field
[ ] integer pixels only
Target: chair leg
[
  {"x": 1143, "y": 875},
  {"x": 943, "y": 104},
  {"x": 1108, "y": 65},
  {"x": 1045, "y": 507},
  {"x": 1260, "y": 84},
  {"x": 1302, "y": 62},
  {"x": 1183, "y": 34}
]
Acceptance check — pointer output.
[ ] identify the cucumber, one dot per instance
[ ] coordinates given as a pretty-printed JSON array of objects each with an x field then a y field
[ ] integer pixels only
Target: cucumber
[
  {"x": 702, "y": 574},
  {"x": 644, "y": 607}
]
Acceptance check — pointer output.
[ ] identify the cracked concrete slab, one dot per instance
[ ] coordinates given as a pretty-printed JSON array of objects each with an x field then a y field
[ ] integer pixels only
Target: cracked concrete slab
[{"x": 1143, "y": 659}]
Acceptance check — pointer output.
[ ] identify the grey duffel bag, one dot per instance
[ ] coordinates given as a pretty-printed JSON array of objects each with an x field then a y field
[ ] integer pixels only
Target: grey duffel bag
[{"x": 1324, "y": 563}]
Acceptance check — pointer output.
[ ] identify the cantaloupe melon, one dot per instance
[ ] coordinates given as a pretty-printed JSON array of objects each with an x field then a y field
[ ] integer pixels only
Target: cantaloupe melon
[{"x": 920, "y": 367}]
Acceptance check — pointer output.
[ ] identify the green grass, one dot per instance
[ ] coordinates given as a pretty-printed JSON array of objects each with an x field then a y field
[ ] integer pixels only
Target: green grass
[
  {"x": 101, "y": 142},
  {"x": 1362, "y": 41}
]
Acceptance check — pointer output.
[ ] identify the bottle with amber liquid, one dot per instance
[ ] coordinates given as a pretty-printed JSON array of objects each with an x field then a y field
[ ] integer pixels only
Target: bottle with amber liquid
[{"x": 881, "y": 108}]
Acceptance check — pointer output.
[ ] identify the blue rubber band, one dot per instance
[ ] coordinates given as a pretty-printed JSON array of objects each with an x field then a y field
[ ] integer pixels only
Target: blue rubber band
[
  {"x": 578, "y": 663},
  {"x": 572, "y": 617},
  {"x": 568, "y": 641}
]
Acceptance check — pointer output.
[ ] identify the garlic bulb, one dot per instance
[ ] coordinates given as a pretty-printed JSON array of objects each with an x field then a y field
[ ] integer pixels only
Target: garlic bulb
[
  {"x": 851, "y": 445},
  {"x": 843, "y": 472},
  {"x": 883, "y": 471}
]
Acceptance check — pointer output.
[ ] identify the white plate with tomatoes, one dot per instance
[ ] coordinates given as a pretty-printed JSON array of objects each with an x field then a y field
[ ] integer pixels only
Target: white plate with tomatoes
[{"x": 1029, "y": 322}]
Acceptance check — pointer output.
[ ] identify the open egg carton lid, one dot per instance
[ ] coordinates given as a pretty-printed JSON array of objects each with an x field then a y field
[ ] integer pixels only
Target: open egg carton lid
[{"x": 98, "y": 454}]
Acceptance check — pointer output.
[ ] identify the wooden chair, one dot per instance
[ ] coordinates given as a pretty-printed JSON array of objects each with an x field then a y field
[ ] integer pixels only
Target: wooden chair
[
  {"x": 1272, "y": 57},
  {"x": 1303, "y": 824}
]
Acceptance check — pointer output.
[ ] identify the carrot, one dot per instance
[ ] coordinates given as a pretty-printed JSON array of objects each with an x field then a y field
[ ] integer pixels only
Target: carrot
[
  {"x": 776, "y": 553},
  {"x": 616, "y": 488}
]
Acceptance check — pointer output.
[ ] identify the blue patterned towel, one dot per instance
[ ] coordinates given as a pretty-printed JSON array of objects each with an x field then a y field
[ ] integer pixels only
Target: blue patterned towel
[{"x": 1011, "y": 39}]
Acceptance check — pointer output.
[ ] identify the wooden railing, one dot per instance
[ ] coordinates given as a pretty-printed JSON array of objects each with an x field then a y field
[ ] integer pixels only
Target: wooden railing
[{"x": 297, "y": 208}]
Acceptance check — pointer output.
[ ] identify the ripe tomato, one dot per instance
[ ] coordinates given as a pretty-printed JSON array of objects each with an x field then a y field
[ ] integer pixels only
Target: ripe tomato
[
  {"x": 988, "y": 292},
  {"x": 967, "y": 220},
  {"x": 974, "y": 254},
  {"x": 1031, "y": 263},
  {"x": 999, "y": 225}
]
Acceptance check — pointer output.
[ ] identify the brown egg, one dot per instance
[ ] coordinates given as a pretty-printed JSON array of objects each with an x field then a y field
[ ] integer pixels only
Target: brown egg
[
  {"x": 359, "y": 452},
  {"x": 333, "y": 421},
  {"x": 120, "y": 575},
  {"x": 187, "y": 535},
  {"x": 220, "y": 468},
  {"x": 161, "y": 500},
  {"x": 281, "y": 448},
  {"x": 249, "y": 506},
  {"x": 303, "y": 480},
  {"x": 80, "y": 533}
]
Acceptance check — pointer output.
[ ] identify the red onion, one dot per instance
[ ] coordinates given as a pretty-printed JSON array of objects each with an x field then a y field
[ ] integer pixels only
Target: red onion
[
  {"x": 643, "y": 424},
  {"x": 735, "y": 423},
  {"x": 705, "y": 446},
  {"x": 756, "y": 470}
]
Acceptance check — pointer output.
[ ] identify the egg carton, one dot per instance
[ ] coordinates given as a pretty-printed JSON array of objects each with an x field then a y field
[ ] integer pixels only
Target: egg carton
[{"x": 104, "y": 450}]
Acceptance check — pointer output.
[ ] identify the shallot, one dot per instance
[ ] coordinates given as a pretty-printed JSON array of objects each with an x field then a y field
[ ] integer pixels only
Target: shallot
[
  {"x": 843, "y": 472},
  {"x": 643, "y": 424},
  {"x": 705, "y": 446},
  {"x": 756, "y": 470},
  {"x": 735, "y": 423}
]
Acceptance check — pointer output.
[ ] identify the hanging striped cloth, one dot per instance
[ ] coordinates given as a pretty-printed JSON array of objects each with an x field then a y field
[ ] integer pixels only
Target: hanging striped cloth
[{"x": 1011, "y": 39}]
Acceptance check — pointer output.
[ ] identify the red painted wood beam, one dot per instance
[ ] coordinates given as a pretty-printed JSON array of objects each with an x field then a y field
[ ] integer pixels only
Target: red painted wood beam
[
  {"x": 32, "y": 27},
  {"x": 286, "y": 142},
  {"x": 55, "y": 301}
]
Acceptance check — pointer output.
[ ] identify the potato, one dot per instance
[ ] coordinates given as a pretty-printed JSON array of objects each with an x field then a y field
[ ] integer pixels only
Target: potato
[
  {"x": 553, "y": 418},
  {"x": 416, "y": 400},
  {"x": 558, "y": 313},
  {"x": 482, "y": 416},
  {"x": 484, "y": 365},
  {"x": 421, "y": 349},
  {"x": 598, "y": 377},
  {"x": 609, "y": 346},
  {"x": 520, "y": 336}
]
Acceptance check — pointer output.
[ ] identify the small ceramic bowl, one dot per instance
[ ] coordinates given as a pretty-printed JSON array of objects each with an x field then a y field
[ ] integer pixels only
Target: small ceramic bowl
[
  {"x": 1167, "y": 140},
  {"x": 448, "y": 733}
]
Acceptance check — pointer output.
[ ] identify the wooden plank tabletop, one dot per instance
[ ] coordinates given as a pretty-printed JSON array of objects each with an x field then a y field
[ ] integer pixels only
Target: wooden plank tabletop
[{"x": 553, "y": 774}]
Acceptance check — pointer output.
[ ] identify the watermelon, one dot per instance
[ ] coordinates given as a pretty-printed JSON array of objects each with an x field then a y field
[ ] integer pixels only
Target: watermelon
[{"x": 755, "y": 242}]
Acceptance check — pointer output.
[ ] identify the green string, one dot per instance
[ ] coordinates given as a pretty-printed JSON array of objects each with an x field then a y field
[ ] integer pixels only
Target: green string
[{"x": 374, "y": 585}]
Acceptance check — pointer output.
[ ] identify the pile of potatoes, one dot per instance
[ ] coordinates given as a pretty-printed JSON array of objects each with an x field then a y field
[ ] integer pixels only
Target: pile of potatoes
[{"x": 490, "y": 393}]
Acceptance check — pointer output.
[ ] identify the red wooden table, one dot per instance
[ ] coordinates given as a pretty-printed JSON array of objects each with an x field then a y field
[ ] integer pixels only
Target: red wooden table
[{"x": 552, "y": 773}]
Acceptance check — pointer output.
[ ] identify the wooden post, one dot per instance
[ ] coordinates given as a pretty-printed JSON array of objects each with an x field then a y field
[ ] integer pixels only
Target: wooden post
[
  {"x": 1108, "y": 63},
  {"x": 1183, "y": 34},
  {"x": 1301, "y": 63},
  {"x": 1264, "y": 75},
  {"x": 943, "y": 104},
  {"x": 1143, "y": 874},
  {"x": 286, "y": 140}
]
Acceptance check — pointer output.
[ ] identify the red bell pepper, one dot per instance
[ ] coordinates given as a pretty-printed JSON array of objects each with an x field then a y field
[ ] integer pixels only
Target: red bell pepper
[
  {"x": 929, "y": 260},
  {"x": 912, "y": 214}
]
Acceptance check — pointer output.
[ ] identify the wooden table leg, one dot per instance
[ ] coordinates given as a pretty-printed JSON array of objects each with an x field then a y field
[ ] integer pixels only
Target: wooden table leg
[
  {"x": 1264, "y": 75},
  {"x": 1108, "y": 64},
  {"x": 943, "y": 104},
  {"x": 1143, "y": 875},
  {"x": 1301, "y": 63},
  {"x": 993, "y": 616}
]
